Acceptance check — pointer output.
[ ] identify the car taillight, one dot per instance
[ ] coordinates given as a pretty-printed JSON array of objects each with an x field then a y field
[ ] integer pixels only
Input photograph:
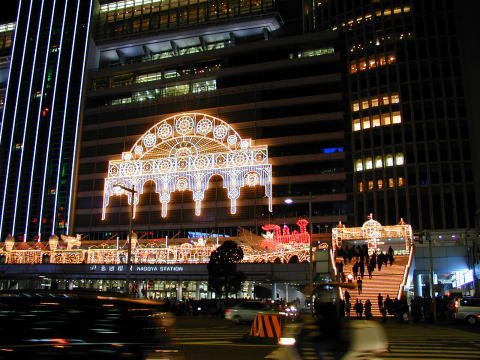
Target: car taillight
[
  {"x": 456, "y": 305},
  {"x": 228, "y": 311}
]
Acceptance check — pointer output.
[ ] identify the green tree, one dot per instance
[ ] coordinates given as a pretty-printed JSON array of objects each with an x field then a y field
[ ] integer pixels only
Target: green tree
[{"x": 223, "y": 277}]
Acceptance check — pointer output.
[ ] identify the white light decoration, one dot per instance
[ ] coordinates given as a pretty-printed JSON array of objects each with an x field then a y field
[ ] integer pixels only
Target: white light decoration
[{"x": 182, "y": 153}]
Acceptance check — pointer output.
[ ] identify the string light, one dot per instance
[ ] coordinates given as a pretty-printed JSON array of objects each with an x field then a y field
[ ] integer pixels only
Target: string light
[{"x": 182, "y": 153}]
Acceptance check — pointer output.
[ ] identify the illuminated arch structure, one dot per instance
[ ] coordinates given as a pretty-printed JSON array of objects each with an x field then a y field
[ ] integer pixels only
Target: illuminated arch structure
[{"x": 182, "y": 153}]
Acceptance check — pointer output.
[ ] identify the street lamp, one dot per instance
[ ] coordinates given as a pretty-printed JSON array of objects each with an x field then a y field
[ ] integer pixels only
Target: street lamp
[
  {"x": 309, "y": 198},
  {"x": 118, "y": 188}
]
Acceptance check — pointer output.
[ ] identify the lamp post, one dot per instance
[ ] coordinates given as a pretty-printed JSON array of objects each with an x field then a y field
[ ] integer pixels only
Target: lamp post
[
  {"x": 310, "y": 252},
  {"x": 119, "y": 188}
]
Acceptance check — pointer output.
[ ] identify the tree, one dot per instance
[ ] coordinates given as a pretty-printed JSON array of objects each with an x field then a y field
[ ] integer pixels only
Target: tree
[{"x": 223, "y": 277}]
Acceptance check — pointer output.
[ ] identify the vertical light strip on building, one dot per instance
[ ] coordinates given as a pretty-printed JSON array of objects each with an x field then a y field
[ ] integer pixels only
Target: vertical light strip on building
[
  {"x": 59, "y": 165},
  {"x": 51, "y": 120},
  {"x": 38, "y": 119},
  {"x": 74, "y": 158},
  {"x": 9, "y": 73},
  {"x": 26, "y": 120},
  {"x": 5, "y": 190}
]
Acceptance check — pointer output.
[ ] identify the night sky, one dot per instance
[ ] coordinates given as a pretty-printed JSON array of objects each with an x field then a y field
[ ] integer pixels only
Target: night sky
[{"x": 9, "y": 11}]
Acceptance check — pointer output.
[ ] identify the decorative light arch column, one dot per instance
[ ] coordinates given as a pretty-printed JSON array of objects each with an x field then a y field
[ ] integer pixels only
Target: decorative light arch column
[{"x": 182, "y": 153}]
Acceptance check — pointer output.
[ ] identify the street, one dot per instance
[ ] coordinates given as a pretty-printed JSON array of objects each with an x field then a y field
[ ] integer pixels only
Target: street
[{"x": 213, "y": 338}]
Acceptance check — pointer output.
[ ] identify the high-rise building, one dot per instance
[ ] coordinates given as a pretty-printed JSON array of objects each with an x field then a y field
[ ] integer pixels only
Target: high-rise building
[
  {"x": 246, "y": 62},
  {"x": 410, "y": 134},
  {"x": 41, "y": 115}
]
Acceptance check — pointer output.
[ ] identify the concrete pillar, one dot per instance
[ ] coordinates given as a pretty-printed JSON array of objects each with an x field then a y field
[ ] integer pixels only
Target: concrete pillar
[
  {"x": 286, "y": 292},
  {"x": 274, "y": 291},
  {"x": 179, "y": 290},
  {"x": 197, "y": 290}
]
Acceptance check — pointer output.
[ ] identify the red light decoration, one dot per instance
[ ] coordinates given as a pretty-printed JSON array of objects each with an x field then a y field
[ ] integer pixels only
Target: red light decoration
[{"x": 276, "y": 235}]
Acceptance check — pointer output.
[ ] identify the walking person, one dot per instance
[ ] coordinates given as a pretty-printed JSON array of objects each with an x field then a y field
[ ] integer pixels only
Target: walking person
[
  {"x": 348, "y": 307},
  {"x": 380, "y": 301},
  {"x": 355, "y": 269},
  {"x": 370, "y": 269},
  {"x": 359, "y": 285},
  {"x": 380, "y": 261},
  {"x": 359, "y": 309},
  {"x": 347, "y": 296},
  {"x": 362, "y": 269},
  {"x": 368, "y": 309}
]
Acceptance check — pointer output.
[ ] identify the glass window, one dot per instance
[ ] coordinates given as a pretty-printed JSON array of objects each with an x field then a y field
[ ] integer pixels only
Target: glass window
[
  {"x": 391, "y": 59},
  {"x": 379, "y": 184},
  {"x": 363, "y": 65},
  {"x": 401, "y": 181},
  {"x": 365, "y": 104},
  {"x": 374, "y": 101},
  {"x": 370, "y": 184},
  {"x": 375, "y": 120},
  {"x": 353, "y": 68},
  {"x": 389, "y": 160},
  {"x": 395, "y": 98},
  {"x": 368, "y": 163},
  {"x": 359, "y": 165},
  {"x": 360, "y": 186},
  {"x": 386, "y": 119},
  {"x": 355, "y": 106},
  {"x": 366, "y": 122},
  {"x": 171, "y": 74},
  {"x": 378, "y": 162},
  {"x": 391, "y": 182},
  {"x": 399, "y": 160},
  {"x": 385, "y": 100},
  {"x": 396, "y": 118},
  {"x": 356, "y": 125}
]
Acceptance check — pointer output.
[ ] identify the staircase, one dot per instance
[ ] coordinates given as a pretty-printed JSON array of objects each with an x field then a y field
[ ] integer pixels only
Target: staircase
[{"x": 385, "y": 281}]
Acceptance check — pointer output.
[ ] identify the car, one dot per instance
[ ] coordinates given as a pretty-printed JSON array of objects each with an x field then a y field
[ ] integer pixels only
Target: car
[
  {"x": 247, "y": 310},
  {"x": 75, "y": 325},
  {"x": 468, "y": 309}
]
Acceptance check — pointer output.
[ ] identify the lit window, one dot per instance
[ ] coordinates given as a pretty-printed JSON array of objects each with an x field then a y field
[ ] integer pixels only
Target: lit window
[
  {"x": 380, "y": 184},
  {"x": 366, "y": 122},
  {"x": 389, "y": 160},
  {"x": 378, "y": 162},
  {"x": 391, "y": 182},
  {"x": 400, "y": 182},
  {"x": 395, "y": 98},
  {"x": 365, "y": 104},
  {"x": 399, "y": 160},
  {"x": 397, "y": 10},
  {"x": 396, "y": 118},
  {"x": 359, "y": 165},
  {"x": 372, "y": 63},
  {"x": 368, "y": 163},
  {"x": 374, "y": 101},
  {"x": 385, "y": 100},
  {"x": 356, "y": 125},
  {"x": 171, "y": 74},
  {"x": 363, "y": 65},
  {"x": 375, "y": 120},
  {"x": 386, "y": 119},
  {"x": 360, "y": 186},
  {"x": 355, "y": 106},
  {"x": 391, "y": 59},
  {"x": 353, "y": 68},
  {"x": 387, "y": 12},
  {"x": 370, "y": 184},
  {"x": 406, "y": 9},
  {"x": 382, "y": 61}
]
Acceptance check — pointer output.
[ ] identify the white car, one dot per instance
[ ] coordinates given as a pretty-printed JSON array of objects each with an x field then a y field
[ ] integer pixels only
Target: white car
[
  {"x": 246, "y": 311},
  {"x": 468, "y": 309}
]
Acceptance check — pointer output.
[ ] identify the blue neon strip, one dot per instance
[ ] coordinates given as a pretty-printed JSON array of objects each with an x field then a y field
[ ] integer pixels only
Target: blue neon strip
[
  {"x": 74, "y": 157},
  {"x": 26, "y": 120},
  {"x": 14, "y": 121},
  {"x": 47, "y": 155},
  {"x": 72, "y": 53},
  {"x": 40, "y": 106}
]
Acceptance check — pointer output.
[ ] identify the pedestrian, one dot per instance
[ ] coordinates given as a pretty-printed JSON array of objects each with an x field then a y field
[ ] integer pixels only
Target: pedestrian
[
  {"x": 362, "y": 269},
  {"x": 348, "y": 307},
  {"x": 347, "y": 296},
  {"x": 359, "y": 285},
  {"x": 383, "y": 311},
  {"x": 368, "y": 309},
  {"x": 389, "y": 305},
  {"x": 370, "y": 269},
  {"x": 380, "y": 301},
  {"x": 391, "y": 259},
  {"x": 380, "y": 261},
  {"x": 355, "y": 269},
  {"x": 359, "y": 309}
]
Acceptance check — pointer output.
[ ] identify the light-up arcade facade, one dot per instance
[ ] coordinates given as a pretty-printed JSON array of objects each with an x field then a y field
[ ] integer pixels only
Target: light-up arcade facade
[{"x": 182, "y": 153}]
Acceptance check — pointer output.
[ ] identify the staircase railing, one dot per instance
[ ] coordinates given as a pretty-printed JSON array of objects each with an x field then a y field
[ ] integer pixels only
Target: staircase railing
[{"x": 405, "y": 273}]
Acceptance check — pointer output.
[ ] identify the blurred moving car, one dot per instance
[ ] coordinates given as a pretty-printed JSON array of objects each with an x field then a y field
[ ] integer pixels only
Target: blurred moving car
[
  {"x": 247, "y": 310},
  {"x": 365, "y": 340},
  {"x": 468, "y": 309},
  {"x": 69, "y": 325}
]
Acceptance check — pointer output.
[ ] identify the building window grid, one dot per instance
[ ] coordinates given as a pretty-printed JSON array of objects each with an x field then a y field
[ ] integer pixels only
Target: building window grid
[
  {"x": 371, "y": 62},
  {"x": 379, "y": 162},
  {"x": 368, "y": 122},
  {"x": 379, "y": 184}
]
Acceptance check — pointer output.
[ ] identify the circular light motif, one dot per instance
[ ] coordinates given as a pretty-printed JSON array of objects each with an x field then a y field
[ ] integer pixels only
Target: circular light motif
[
  {"x": 182, "y": 164},
  {"x": 252, "y": 179},
  {"x": 165, "y": 131},
  {"x": 204, "y": 126},
  {"x": 113, "y": 171},
  {"x": 259, "y": 157},
  {"x": 127, "y": 156},
  {"x": 221, "y": 160},
  {"x": 245, "y": 143},
  {"x": 138, "y": 150},
  {"x": 184, "y": 125},
  {"x": 147, "y": 167},
  {"x": 372, "y": 229},
  {"x": 183, "y": 151},
  {"x": 202, "y": 162},
  {"x": 240, "y": 159},
  {"x": 182, "y": 184},
  {"x": 129, "y": 169},
  {"x": 220, "y": 132},
  {"x": 149, "y": 140},
  {"x": 165, "y": 165},
  {"x": 232, "y": 140}
]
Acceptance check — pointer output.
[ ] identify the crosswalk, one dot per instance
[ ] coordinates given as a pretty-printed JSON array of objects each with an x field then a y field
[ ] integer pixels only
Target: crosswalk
[
  {"x": 438, "y": 347},
  {"x": 210, "y": 336}
]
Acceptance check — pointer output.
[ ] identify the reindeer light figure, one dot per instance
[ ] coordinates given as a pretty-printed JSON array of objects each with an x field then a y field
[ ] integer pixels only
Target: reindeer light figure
[{"x": 72, "y": 240}]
